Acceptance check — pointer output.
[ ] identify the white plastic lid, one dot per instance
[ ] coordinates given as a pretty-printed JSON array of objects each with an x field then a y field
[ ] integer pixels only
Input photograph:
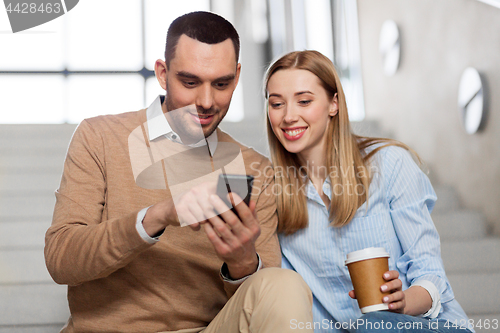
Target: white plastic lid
[{"x": 368, "y": 253}]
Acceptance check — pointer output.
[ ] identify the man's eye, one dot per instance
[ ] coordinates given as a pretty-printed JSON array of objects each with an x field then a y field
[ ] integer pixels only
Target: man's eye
[
  {"x": 189, "y": 83},
  {"x": 221, "y": 85}
]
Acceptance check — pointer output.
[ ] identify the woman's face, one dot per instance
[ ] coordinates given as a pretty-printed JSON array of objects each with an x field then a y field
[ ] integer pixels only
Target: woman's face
[{"x": 299, "y": 111}]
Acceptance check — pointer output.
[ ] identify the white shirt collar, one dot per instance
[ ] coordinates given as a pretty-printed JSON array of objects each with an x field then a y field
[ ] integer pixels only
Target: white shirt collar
[{"x": 158, "y": 126}]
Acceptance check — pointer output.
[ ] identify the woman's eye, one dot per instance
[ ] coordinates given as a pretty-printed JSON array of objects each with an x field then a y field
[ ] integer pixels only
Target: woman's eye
[
  {"x": 276, "y": 105},
  {"x": 306, "y": 102}
]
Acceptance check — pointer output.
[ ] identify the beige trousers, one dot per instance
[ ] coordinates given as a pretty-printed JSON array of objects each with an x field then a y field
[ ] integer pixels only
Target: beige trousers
[{"x": 268, "y": 301}]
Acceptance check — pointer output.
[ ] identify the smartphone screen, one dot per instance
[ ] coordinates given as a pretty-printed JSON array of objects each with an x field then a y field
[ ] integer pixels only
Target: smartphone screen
[{"x": 239, "y": 184}]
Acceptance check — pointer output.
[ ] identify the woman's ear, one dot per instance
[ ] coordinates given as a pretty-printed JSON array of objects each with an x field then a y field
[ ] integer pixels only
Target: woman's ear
[{"x": 334, "y": 106}]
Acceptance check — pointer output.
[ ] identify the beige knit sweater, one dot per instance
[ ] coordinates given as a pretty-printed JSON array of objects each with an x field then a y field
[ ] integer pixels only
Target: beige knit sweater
[{"x": 117, "y": 282}]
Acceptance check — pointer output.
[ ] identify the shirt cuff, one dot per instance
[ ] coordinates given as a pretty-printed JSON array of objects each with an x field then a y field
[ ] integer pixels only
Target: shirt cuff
[
  {"x": 224, "y": 273},
  {"x": 140, "y": 228},
  {"x": 435, "y": 296}
]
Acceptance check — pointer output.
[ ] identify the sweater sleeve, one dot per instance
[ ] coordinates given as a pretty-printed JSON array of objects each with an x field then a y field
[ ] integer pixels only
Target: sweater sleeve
[
  {"x": 81, "y": 245},
  {"x": 267, "y": 245}
]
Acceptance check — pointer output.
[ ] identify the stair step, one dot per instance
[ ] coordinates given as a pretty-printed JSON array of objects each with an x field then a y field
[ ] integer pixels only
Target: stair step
[
  {"x": 477, "y": 293},
  {"x": 23, "y": 266},
  {"x": 36, "y": 132},
  {"x": 32, "y": 160},
  {"x": 22, "y": 183},
  {"x": 471, "y": 256},
  {"x": 24, "y": 234},
  {"x": 460, "y": 225},
  {"x": 33, "y": 304},
  {"x": 486, "y": 323},
  {"x": 447, "y": 199},
  {"x": 26, "y": 205},
  {"x": 45, "y": 328}
]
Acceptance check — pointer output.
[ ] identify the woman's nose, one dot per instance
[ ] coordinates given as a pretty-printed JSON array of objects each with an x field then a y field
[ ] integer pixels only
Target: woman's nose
[{"x": 291, "y": 115}]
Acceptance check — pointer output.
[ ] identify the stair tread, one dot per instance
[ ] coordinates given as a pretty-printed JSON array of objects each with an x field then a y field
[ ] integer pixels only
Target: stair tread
[
  {"x": 33, "y": 304},
  {"x": 23, "y": 266},
  {"x": 471, "y": 256},
  {"x": 477, "y": 293},
  {"x": 447, "y": 199},
  {"x": 460, "y": 224},
  {"x": 24, "y": 234}
]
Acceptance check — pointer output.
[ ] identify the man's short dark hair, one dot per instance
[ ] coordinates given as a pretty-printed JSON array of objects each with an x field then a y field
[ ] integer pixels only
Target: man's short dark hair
[{"x": 204, "y": 27}]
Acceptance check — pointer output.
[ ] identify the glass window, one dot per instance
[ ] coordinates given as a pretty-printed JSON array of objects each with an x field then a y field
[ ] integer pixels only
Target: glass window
[
  {"x": 97, "y": 59},
  {"x": 105, "y": 35},
  {"x": 31, "y": 99},
  {"x": 347, "y": 55},
  {"x": 277, "y": 23},
  {"x": 40, "y": 48},
  {"x": 299, "y": 25},
  {"x": 91, "y": 95},
  {"x": 319, "y": 27}
]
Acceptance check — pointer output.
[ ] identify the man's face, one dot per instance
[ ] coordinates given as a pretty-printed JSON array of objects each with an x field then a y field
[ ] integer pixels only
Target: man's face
[{"x": 204, "y": 75}]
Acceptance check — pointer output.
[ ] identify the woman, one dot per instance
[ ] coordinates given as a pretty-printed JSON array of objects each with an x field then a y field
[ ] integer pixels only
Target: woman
[{"x": 342, "y": 193}]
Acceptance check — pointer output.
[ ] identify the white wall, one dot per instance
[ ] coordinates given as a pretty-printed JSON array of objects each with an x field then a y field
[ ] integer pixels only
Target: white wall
[{"x": 440, "y": 38}]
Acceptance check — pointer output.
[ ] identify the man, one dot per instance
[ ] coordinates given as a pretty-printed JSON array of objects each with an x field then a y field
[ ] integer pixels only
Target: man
[{"x": 116, "y": 242}]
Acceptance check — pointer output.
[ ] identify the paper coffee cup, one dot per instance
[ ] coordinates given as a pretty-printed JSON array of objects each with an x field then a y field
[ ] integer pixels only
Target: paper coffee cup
[{"x": 367, "y": 268}]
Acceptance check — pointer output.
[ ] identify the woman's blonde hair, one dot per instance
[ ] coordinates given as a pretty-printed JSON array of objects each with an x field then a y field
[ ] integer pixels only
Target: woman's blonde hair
[{"x": 345, "y": 153}]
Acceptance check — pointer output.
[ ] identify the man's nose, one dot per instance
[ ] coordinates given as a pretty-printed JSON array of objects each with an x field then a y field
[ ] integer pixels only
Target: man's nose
[{"x": 205, "y": 97}]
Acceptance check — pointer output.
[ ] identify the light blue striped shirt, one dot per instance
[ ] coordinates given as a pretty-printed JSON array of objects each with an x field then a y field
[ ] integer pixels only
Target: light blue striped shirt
[{"x": 398, "y": 219}]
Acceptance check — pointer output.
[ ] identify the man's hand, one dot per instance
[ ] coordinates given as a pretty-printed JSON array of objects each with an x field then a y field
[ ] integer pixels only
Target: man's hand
[
  {"x": 191, "y": 208},
  {"x": 234, "y": 236}
]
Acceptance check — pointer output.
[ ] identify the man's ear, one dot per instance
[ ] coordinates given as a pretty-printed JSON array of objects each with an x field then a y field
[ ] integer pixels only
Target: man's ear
[
  {"x": 161, "y": 72},
  {"x": 237, "y": 77},
  {"x": 334, "y": 106}
]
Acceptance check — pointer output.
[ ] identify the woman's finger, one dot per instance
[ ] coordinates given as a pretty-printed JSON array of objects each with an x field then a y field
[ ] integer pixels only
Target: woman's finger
[
  {"x": 391, "y": 275},
  {"x": 394, "y": 297}
]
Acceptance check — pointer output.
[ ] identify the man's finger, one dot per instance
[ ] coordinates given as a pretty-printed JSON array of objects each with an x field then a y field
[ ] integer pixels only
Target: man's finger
[
  {"x": 252, "y": 206},
  {"x": 214, "y": 238},
  {"x": 195, "y": 226},
  {"x": 247, "y": 217}
]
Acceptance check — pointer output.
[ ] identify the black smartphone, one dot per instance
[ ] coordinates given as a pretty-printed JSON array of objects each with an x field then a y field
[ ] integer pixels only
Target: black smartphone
[{"x": 239, "y": 184}]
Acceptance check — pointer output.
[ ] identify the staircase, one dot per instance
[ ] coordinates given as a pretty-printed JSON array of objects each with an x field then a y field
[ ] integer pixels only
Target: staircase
[
  {"x": 471, "y": 258},
  {"x": 31, "y": 159}
]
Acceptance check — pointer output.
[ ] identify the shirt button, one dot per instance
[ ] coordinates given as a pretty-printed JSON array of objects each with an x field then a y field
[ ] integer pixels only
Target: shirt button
[{"x": 174, "y": 136}]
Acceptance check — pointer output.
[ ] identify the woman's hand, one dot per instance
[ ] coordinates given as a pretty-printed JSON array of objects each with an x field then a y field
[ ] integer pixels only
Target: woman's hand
[{"x": 396, "y": 299}]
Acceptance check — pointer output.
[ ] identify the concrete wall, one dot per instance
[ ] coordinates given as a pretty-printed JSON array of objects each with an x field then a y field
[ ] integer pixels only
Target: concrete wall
[{"x": 418, "y": 105}]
